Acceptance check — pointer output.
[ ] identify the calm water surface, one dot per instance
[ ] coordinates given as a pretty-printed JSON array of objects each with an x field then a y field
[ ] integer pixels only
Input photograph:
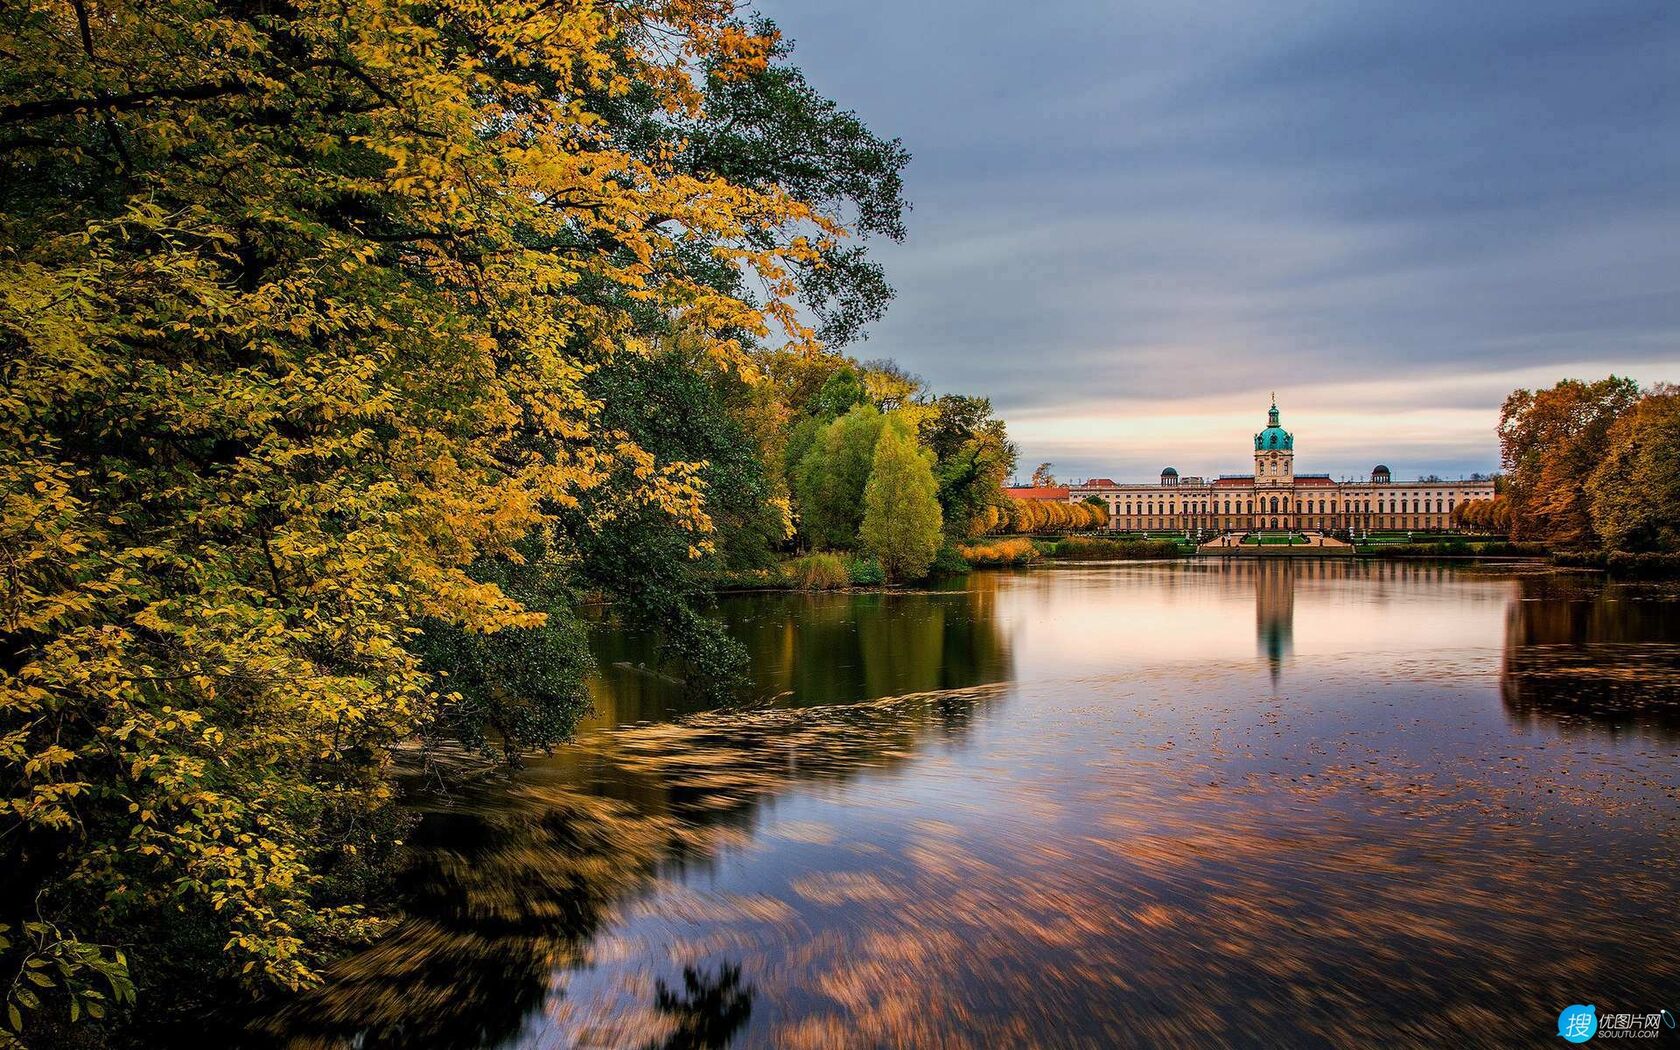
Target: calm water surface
[{"x": 1256, "y": 804}]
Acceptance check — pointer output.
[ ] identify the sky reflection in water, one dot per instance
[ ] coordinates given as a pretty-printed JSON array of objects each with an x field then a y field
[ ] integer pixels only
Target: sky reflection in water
[{"x": 1197, "y": 804}]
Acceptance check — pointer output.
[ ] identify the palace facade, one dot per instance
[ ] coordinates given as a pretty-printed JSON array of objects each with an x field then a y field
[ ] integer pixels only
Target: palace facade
[{"x": 1276, "y": 497}]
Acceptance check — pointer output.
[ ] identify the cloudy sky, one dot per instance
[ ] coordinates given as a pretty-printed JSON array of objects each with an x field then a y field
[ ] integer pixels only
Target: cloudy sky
[{"x": 1134, "y": 220}]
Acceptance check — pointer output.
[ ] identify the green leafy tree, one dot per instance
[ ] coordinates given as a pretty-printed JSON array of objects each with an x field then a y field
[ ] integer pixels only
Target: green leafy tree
[
  {"x": 840, "y": 393},
  {"x": 515, "y": 690},
  {"x": 831, "y": 477},
  {"x": 901, "y": 519},
  {"x": 973, "y": 458}
]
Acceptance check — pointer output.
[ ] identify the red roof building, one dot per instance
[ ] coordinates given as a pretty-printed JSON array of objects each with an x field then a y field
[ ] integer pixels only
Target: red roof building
[{"x": 1058, "y": 493}]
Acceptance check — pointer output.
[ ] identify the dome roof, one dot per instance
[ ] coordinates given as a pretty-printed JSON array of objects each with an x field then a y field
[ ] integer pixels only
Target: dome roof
[
  {"x": 1274, "y": 437},
  {"x": 1169, "y": 470},
  {"x": 1379, "y": 469}
]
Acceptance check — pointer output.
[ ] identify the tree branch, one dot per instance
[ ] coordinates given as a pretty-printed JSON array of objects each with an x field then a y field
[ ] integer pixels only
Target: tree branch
[{"x": 57, "y": 107}]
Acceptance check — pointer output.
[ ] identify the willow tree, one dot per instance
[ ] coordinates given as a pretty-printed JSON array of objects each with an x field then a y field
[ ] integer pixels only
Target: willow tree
[
  {"x": 297, "y": 305},
  {"x": 830, "y": 478}
]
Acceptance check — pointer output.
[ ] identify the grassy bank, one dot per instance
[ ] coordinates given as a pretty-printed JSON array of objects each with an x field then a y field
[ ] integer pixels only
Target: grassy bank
[{"x": 838, "y": 570}]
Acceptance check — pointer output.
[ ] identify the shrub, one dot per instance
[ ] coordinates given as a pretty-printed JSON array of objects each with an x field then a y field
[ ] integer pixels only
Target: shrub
[
  {"x": 1646, "y": 565},
  {"x": 1581, "y": 559},
  {"x": 820, "y": 572},
  {"x": 948, "y": 562},
  {"x": 1625, "y": 564},
  {"x": 1093, "y": 548},
  {"x": 775, "y": 577},
  {"x": 1455, "y": 548},
  {"x": 1000, "y": 552},
  {"x": 864, "y": 571}
]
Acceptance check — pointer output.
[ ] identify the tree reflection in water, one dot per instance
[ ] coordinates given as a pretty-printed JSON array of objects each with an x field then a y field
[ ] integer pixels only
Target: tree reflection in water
[
  {"x": 1585, "y": 654},
  {"x": 814, "y": 649},
  {"x": 511, "y": 887},
  {"x": 707, "y": 1013}
]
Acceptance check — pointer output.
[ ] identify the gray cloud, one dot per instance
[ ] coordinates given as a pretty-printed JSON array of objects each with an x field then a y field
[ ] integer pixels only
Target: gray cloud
[{"x": 1185, "y": 206}]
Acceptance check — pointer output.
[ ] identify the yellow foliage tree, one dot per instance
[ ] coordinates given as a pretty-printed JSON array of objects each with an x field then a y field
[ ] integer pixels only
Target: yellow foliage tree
[{"x": 295, "y": 310}]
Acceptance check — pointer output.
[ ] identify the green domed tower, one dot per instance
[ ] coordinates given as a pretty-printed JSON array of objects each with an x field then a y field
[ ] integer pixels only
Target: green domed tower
[{"x": 1274, "y": 453}]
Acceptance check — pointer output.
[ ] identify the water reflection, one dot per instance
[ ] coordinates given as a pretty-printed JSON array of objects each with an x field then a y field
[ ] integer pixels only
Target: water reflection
[
  {"x": 811, "y": 649},
  {"x": 1073, "y": 808},
  {"x": 707, "y": 1013},
  {"x": 1584, "y": 654},
  {"x": 510, "y": 889},
  {"x": 1274, "y": 611}
]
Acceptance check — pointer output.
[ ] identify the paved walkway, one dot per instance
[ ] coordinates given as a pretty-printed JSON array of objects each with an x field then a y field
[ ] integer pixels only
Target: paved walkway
[{"x": 1234, "y": 540}]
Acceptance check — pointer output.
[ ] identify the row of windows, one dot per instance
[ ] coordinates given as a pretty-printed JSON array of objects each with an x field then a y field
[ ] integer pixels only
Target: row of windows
[
  {"x": 1282, "y": 505},
  {"x": 1373, "y": 521}
]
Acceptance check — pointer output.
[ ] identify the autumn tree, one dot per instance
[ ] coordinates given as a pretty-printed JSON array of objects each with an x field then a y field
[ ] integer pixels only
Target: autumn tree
[
  {"x": 1042, "y": 478},
  {"x": 1550, "y": 441},
  {"x": 901, "y": 518},
  {"x": 893, "y": 389},
  {"x": 1635, "y": 489},
  {"x": 765, "y": 127},
  {"x": 306, "y": 317}
]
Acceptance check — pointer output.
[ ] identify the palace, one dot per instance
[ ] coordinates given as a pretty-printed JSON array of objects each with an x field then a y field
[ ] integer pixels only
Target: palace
[{"x": 1276, "y": 497}]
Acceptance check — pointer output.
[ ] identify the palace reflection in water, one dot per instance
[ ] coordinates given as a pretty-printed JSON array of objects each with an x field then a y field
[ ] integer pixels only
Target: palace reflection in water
[{"x": 1221, "y": 803}]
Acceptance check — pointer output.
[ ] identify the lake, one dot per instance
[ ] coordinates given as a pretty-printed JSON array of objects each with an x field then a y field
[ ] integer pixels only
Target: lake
[{"x": 1247, "y": 803}]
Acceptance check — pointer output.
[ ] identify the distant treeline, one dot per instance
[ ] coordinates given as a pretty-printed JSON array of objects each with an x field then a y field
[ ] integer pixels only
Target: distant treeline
[{"x": 1042, "y": 515}]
